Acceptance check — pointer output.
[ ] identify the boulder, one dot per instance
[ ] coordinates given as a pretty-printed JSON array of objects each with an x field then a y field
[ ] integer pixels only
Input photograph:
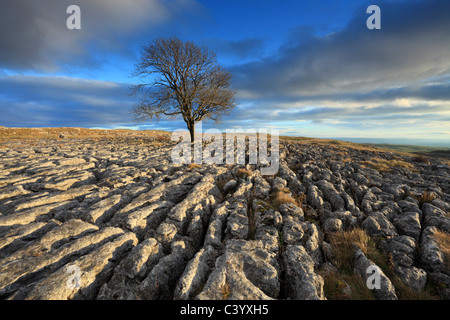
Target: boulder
[{"x": 304, "y": 283}]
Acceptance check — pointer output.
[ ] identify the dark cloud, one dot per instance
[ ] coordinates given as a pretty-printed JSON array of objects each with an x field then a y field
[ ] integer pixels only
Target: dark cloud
[
  {"x": 34, "y": 35},
  {"x": 412, "y": 46}
]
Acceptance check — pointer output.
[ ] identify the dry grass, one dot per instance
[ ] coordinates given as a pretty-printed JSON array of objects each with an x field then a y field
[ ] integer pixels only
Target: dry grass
[
  {"x": 281, "y": 197},
  {"x": 225, "y": 290},
  {"x": 335, "y": 285},
  {"x": 421, "y": 159},
  {"x": 344, "y": 145},
  {"x": 220, "y": 183},
  {"x": 161, "y": 137},
  {"x": 194, "y": 166},
  {"x": 425, "y": 197},
  {"x": 383, "y": 165},
  {"x": 342, "y": 245},
  {"x": 17, "y": 134},
  {"x": 443, "y": 242},
  {"x": 295, "y": 167},
  {"x": 243, "y": 173},
  {"x": 301, "y": 201}
]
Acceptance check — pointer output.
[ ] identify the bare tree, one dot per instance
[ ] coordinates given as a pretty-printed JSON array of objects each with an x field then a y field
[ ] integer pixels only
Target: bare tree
[{"x": 180, "y": 78}]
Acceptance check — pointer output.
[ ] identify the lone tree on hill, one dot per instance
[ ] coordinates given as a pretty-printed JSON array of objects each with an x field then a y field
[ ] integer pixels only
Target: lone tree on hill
[{"x": 180, "y": 78}]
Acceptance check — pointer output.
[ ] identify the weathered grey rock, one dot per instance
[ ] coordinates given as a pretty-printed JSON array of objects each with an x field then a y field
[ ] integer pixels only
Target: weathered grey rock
[
  {"x": 214, "y": 233},
  {"x": 196, "y": 225},
  {"x": 414, "y": 277},
  {"x": 58, "y": 198},
  {"x": 403, "y": 252},
  {"x": 216, "y": 225},
  {"x": 434, "y": 216},
  {"x": 304, "y": 283},
  {"x": 46, "y": 170},
  {"x": 360, "y": 179},
  {"x": 12, "y": 191},
  {"x": 399, "y": 191},
  {"x": 94, "y": 268},
  {"x": 261, "y": 187},
  {"x": 370, "y": 202},
  {"x": 377, "y": 225},
  {"x": 195, "y": 274},
  {"x": 332, "y": 225},
  {"x": 54, "y": 238},
  {"x": 165, "y": 234},
  {"x": 313, "y": 197},
  {"x": 313, "y": 242},
  {"x": 17, "y": 272},
  {"x": 350, "y": 203},
  {"x": 170, "y": 191},
  {"x": 147, "y": 218},
  {"x": 70, "y": 161},
  {"x": 182, "y": 212},
  {"x": 347, "y": 219},
  {"x": 131, "y": 271},
  {"x": 408, "y": 223},
  {"x": 161, "y": 281},
  {"x": 63, "y": 200},
  {"x": 278, "y": 184},
  {"x": 230, "y": 186},
  {"x": 103, "y": 210},
  {"x": 410, "y": 205},
  {"x": 266, "y": 216},
  {"x": 290, "y": 209},
  {"x": 26, "y": 216},
  {"x": 430, "y": 253},
  {"x": 237, "y": 221},
  {"x": 63, "y": 183},
  {"x": 291, "y": 178},
  {"x": 16, "y": 234},
  {"x": 331, "y": 195},
  {"x": 445, "y": 206},
  {"x": 386, "y": 291},
  {"x": 245, "y": 271}
]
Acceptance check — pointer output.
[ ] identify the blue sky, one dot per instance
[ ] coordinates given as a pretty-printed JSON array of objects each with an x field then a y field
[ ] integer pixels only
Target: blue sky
[{"x": 307, "y": 68}]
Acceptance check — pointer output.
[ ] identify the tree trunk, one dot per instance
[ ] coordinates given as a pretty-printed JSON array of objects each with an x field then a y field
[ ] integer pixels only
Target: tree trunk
[{"x": 191, "y": 127}]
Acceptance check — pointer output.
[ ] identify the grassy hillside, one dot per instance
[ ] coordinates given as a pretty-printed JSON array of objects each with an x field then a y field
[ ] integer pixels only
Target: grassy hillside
[{"x": 408, "y": 148}]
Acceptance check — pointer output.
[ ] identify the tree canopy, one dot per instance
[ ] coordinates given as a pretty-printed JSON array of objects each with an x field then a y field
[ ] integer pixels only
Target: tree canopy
[{"x": 181, "y": 79}]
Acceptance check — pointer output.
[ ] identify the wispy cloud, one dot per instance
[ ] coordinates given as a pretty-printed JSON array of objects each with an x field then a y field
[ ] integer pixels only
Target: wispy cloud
[{"x": 61, "y": 101}]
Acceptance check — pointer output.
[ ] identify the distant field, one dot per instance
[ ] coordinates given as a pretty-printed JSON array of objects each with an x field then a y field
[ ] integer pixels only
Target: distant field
[
  {"x": 17, "y": 134},
  {"x": 408, "y": 148}
]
